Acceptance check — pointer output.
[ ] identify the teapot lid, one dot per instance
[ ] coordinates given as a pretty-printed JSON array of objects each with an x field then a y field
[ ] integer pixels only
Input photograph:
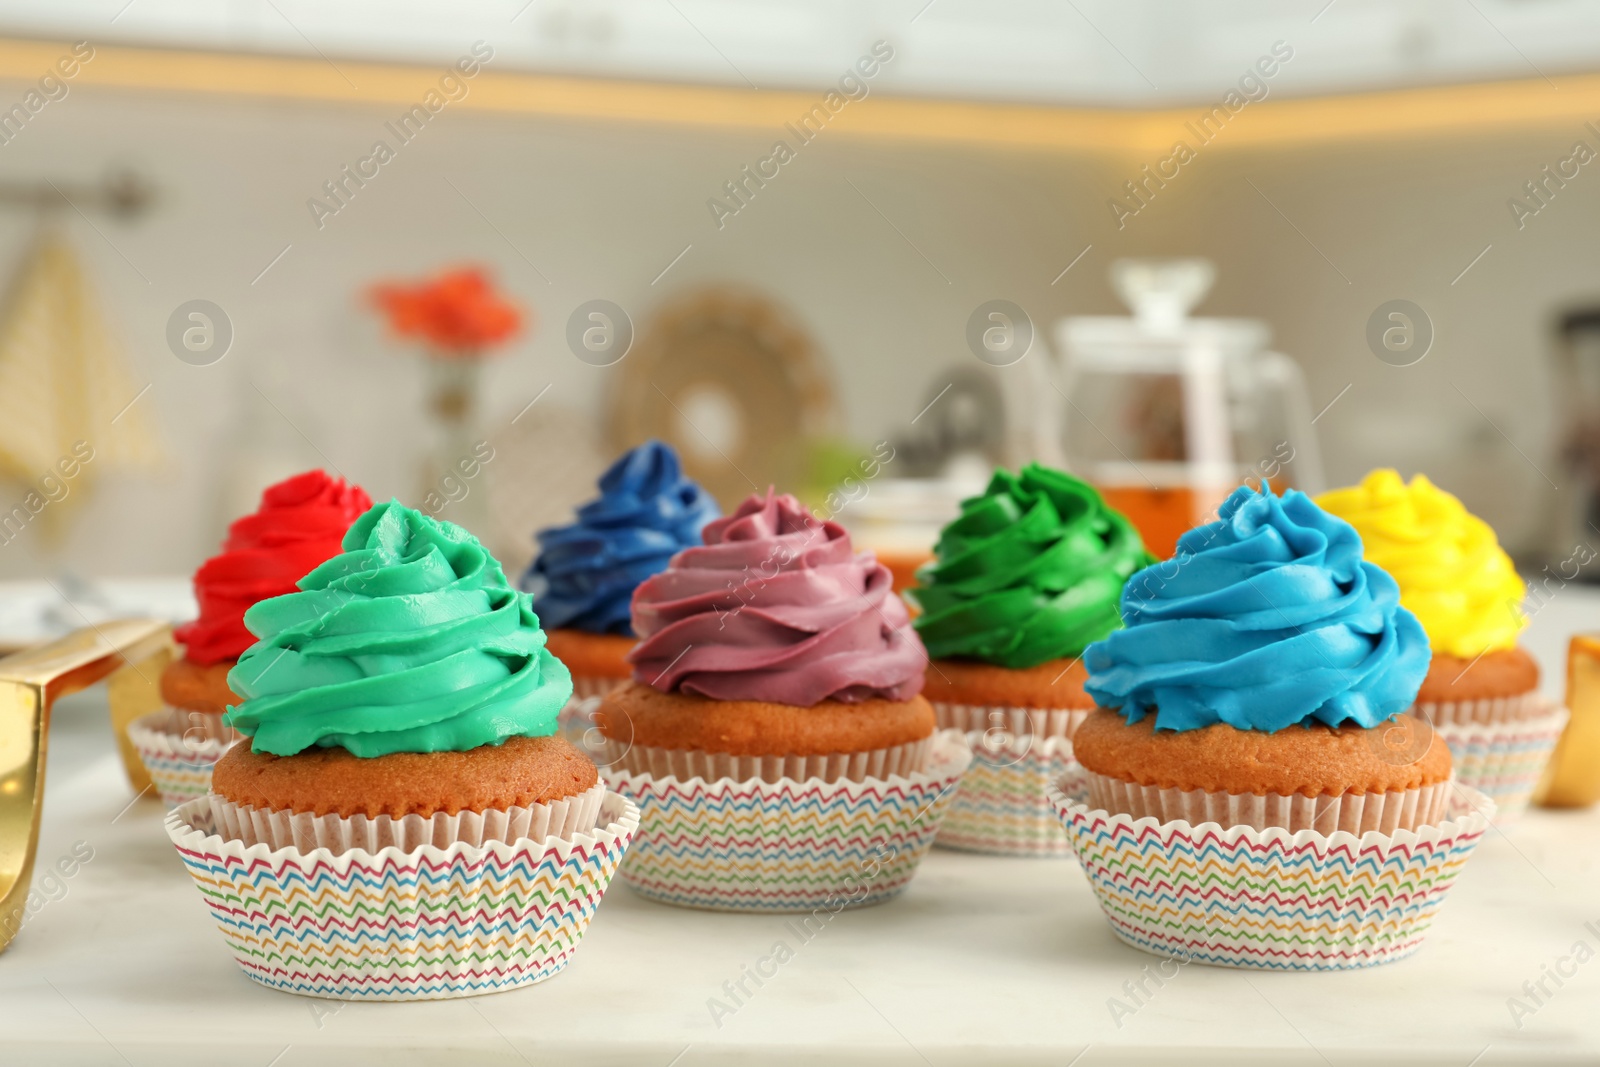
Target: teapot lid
[{"x": 1161, "y": 293}]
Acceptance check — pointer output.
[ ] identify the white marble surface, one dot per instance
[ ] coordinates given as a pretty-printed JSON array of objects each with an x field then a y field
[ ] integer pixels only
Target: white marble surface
[{"x": 982, "y": 960}]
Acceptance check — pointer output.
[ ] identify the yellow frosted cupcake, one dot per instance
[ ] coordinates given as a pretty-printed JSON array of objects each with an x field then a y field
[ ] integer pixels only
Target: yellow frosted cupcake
[{"x": 1482, "y": 688}]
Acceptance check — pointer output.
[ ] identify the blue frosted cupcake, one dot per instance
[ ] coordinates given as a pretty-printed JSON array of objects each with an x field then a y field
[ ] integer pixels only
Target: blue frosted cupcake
[
  {"x": 583, "y": 579},
  {"x": 1262, "y": 678}
]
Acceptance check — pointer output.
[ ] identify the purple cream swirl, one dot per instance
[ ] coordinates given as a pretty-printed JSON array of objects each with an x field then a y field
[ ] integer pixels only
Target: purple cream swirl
[{"x": 777, "y": 607}]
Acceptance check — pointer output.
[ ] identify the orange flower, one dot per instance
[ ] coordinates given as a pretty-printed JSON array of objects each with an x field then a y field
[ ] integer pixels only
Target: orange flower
[{"x": 458, "y": 313}]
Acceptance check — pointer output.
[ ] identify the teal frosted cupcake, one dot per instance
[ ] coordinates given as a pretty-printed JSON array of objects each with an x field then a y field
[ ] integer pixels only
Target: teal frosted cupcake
[
  {"x": 405, "y": 678},
  {"x": 399, "y": 771}
]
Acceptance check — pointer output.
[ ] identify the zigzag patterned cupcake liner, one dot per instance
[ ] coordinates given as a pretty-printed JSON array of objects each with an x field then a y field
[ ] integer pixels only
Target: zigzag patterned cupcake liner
[
  {"x": 1000, "y": 808},
  {"x": 575, "y": 722},
  {"x": 419, "y": 925},
  {"x": 1504, "y": 760},
  {"x": 593, "y": 687},
  {"x": 179, "y": 764},
  {"x": 1269, "y": 899},
  {"x": 1522, "y": 706},
  {"x": 786, "y": 846}
]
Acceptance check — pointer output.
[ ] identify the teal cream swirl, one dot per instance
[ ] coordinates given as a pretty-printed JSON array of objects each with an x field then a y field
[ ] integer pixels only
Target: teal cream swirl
[{"x": 411, "y": 640}]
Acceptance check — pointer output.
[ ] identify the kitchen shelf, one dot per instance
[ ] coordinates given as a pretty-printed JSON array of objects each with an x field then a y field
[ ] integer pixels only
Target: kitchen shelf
[{"x": 1469, "y": 111}]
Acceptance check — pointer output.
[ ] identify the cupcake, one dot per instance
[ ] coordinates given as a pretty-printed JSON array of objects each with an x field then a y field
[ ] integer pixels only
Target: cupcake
[
  {"x": 400, "y": 712},
  {"x": 298, "y": 525},
  {"x": 1482, "y": 689},
  {"x": 1023, "y": 581},
  {"x": 1253, "y": 708},
  {"x": 774, "y": 734},
  {"x": 584, "y": 575}
]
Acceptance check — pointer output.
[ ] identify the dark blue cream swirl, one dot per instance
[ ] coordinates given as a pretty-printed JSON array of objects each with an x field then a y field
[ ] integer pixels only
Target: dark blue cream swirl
[
  {"x": 647, "y": 511},
  {"x": 1266, "y": 618}
]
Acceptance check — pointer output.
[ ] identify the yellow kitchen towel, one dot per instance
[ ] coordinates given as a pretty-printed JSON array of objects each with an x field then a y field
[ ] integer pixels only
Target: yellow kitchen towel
[{"x": 63, "y": 379}]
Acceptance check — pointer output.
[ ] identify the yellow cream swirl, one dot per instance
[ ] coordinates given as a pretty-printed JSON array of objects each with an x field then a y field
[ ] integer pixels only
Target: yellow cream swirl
[{"x": 1452, "y": 572}]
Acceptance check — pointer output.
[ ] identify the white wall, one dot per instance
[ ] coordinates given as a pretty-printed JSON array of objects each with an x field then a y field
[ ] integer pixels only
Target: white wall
[{"x": 599, "y": 211}]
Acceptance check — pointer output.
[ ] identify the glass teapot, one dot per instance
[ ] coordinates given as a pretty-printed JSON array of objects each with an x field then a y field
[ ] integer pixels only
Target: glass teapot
[{"x": 1167, "y": 414}]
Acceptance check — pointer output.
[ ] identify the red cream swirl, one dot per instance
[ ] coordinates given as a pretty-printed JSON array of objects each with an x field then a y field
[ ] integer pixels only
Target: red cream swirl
[
  {"x": 299, "y": 524},
  {"x": 777, "y": 607}
]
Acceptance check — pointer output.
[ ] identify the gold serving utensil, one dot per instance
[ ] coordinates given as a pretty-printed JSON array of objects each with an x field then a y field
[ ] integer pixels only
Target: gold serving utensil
[
  {"x": 130, "y": 651},
  {"x": 1572, "y": 779}
]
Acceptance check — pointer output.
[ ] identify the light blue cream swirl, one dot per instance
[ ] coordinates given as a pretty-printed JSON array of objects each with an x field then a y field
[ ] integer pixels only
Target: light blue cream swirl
[{"x": 1266, "y": 618}]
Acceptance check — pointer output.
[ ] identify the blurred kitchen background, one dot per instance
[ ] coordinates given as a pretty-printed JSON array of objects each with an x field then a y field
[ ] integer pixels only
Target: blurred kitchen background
[{"x": 1339, "y": 157}]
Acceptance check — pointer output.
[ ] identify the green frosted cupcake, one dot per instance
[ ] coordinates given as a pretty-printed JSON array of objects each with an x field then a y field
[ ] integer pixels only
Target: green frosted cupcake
[{"x": 1028, "y": 576}]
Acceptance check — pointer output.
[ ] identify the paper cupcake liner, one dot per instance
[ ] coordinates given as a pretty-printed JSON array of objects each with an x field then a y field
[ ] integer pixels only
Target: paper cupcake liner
[
  {"x": 1017, "y": 722},
  {"x": 786, "y": 846},
  {"x": 1000, "y": 807},
  {"x": 592, "y": 687},
  {"x": 422, "y": 924},
  {"x": 194, "y": 724},
  {"x": 575, "y": 722},
  {"x": 179, "y": 763},
  {"x": 1352, "y": 813},
  {"x": 339, "y": 834},
  {"x": 1505, "y": 759},
  {"x": 684, "y": 764},
  {"x": 1518, "y": 708},
  {"x": 1269, "y": 899}
]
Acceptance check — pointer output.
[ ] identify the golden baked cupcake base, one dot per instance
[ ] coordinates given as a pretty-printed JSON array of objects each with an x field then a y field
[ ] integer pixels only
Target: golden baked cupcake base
[
  {"x": 1393, "y": 777},
  {"x": 331, "y": 781},
  {"x": 201, "y": 687},
  {"x": 638, "y": 715},
  {"x": 683, "y": 736},
  {"x": 1498, "y": 686}
]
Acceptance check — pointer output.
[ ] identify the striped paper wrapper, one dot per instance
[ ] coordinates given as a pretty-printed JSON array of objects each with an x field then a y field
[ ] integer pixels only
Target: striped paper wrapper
[
  {"x": 179, "y": 749},
  {"x": 1269, "y": 899},
  {"x": 593, "y": 687},
  {"x": 306, "y": 831},
  {"x": 1000, "y": 807},
  {"x": 1503, "y": 759},
  {"x": 575, "y": 722},
  {"x": 790, "y": 845},
  {"x": 1529, "y": 705},
  {"x": 423, "y": 924},
  {"x": 1354, "y": 813},
  {"x": 1018, "y": 722}
]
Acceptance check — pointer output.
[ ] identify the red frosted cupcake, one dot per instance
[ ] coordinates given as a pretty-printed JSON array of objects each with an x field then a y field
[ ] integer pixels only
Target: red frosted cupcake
[{"x": 298, "y": 525}]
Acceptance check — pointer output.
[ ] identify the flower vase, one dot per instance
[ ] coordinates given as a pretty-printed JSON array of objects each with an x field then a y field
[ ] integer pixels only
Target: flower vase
[{"x": 452, "y": 489}]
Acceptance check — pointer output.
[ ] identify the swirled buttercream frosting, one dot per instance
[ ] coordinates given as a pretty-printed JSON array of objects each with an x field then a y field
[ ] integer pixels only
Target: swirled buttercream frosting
[
  {"x": 298, "y": 525},
  {"x": 1031, "y": 571},
  {"x": 1265, "y": 618},
  {"x": 586, "y": 572},
  {"x": 1453, "y": 574},
  {"x": 776, "y": 606},
  {"x": 411, "y": 640}
]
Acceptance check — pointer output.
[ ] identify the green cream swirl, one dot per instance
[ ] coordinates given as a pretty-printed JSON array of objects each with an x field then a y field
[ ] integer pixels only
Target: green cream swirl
[
  {"x": 409, "y": 641},
  {"x": 1031, "y": 571}
]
